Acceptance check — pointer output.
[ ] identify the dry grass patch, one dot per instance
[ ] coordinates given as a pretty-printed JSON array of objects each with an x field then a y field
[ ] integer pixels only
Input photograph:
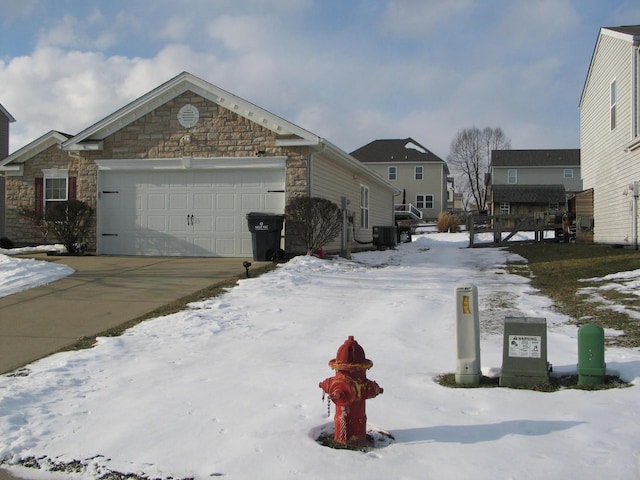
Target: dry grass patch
[{"x": 556, "y": 270}]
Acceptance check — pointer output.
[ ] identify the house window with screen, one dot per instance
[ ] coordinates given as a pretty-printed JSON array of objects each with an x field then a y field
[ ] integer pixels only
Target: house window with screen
[
  {"x": 364, "y": 207},
  {"x": 512, "y": 176},
  {"x": 424, "y": 201},
  {"x": 612, "y": 108},
  {"x": 505, "y": 208},
  {"x": 393, "y": 173},
  {"x": 568, "y": 173},
  {"x": 418, "y": 173}
]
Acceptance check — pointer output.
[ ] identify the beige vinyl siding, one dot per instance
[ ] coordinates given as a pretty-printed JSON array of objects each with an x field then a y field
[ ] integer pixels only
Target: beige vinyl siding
[
  {"x": 540, "y": 176},
  {"x": 332, "y": 181},
  {"x": 606, "y": 166},
  {"x": 433, "y": 183}
]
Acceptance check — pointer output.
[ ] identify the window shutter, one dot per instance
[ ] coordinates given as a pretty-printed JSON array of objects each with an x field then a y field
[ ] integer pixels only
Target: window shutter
[
  {"x": 72, "y": 195},
  {"x": 39, "y": 195}
]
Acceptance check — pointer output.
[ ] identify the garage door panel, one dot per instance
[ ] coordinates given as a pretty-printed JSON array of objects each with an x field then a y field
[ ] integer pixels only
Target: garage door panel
[
  {"x": 203, "y": 223},
  {"x": 250, "y": 201},
  {"x": 177, "y": 201},
  {"x": 225, "y": 224},
  {"x": 203, "y": 201},
  {"x": 177, "y": 223},
  {"x": 225, "y": 201},
  {"x": 273, "y": 201},
  {"x": 197, "y": 213}
]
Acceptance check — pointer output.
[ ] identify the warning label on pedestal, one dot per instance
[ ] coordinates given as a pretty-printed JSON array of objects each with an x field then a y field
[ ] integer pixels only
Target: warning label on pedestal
[{"x": 524, "y": 346}]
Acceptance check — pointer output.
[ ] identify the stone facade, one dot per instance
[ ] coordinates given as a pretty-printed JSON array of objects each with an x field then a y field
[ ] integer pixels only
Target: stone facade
[{"x": 158, "y": 134}]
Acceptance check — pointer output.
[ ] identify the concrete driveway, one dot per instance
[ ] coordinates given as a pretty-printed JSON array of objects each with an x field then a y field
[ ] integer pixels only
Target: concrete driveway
[{"x": 105, "y": 292}]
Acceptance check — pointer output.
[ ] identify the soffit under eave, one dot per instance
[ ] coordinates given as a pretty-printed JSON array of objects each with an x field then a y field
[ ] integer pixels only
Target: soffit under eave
[{"x": 286, "y": 131}]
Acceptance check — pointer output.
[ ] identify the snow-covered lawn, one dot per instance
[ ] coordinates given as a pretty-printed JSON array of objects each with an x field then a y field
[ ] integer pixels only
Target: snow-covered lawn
[{"x": 229, "y": 386}]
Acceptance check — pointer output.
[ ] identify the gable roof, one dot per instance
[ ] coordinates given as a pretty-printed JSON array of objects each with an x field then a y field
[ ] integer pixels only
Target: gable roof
[
  {"x": 396, "y": 150},
  {"x": 13, "y": 162},
  {"x": 528, "y": 193},
  {"x": 4, "y": 112},
  {"x": 287, "y": 132},
  {"x": 630, "y": 33},
  {"x": 536, "y": 158}
]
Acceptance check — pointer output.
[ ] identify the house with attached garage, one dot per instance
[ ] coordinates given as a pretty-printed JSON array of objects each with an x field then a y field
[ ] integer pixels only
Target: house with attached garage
[
  {"x": 610, "y": 135},
  {"x": 176, "y": 171},
  {"x": 419, "y": 173}
]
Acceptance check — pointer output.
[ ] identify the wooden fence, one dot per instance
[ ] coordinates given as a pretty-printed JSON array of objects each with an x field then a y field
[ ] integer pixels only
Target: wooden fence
[{"x": 509, "y": 224}]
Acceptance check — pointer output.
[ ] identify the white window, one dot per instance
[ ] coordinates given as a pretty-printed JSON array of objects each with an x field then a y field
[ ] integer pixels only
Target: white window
[
  {"x": 512, "y": 176},
  {"x": 424, "y": 201},
  {"x": 364, "y": 207},
  {"x": 568, "y": 173},
  {"x": 505, "y": 208},
  {"x": 56, "y": 187},
  {"x": 393, "y": 173},
  {"x": 418, "y": 173},
  {"x": 612, "y": 109}
]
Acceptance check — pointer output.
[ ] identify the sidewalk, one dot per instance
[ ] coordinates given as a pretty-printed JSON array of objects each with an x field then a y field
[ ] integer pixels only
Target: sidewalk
[{"x": 104, "y": 292}]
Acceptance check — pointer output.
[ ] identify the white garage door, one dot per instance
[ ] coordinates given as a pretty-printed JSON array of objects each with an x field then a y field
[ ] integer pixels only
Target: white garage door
[{"x": 187, "y": 213}]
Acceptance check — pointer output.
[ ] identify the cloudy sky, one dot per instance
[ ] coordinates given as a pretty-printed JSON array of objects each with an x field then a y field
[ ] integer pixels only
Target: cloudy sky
[{"x": 350, "y": 71}]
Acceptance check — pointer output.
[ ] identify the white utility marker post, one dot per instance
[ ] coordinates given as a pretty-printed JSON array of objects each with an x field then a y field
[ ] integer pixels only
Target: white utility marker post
[{"x": 468, "y": 333}]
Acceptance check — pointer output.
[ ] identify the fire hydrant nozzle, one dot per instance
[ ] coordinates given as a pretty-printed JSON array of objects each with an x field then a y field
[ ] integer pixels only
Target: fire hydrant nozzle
[{"x": 349, "y": 389}]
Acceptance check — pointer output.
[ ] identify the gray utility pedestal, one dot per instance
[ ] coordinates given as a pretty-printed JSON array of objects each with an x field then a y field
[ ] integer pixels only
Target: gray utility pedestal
[{"x": 524, "y": 355}]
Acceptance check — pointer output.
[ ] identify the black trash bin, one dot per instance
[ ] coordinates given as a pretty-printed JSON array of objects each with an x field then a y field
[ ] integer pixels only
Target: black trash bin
[{"x": 266, "y": 231}]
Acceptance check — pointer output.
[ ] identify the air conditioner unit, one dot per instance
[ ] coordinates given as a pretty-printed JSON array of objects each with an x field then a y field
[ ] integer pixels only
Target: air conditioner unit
[{"x": 384, "y": 236}]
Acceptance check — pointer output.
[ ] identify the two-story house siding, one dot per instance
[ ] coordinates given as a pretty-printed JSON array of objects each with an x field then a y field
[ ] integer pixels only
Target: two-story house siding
[
  {"x": 528, "y": 181},
  {"x": 419, "y": 173},
  {"x": 609, "y": 132}
]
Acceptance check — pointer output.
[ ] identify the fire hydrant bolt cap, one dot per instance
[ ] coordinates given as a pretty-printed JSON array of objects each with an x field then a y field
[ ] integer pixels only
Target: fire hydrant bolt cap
[{"x": 350, "y": 352}]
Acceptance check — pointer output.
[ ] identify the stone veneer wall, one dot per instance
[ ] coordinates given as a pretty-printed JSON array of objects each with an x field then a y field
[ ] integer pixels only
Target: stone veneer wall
[
  {"x": 20, "y": 191},
  {"x": 218, "y": 133}
]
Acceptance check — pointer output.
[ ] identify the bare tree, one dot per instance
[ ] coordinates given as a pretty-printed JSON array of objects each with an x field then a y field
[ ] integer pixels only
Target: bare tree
[
  {"x": 470, "y": 157},
  {"x": 316, "y": 220}
]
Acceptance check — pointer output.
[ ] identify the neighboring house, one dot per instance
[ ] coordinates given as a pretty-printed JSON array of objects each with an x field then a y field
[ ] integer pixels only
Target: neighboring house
[
  {"x": 533, "y": 181},
  {"x": 420, "y": 174},
  {"x": 176, "y": 171},
  {"x": 5, "y": 120},
  {"x": 610, "y": 134}
]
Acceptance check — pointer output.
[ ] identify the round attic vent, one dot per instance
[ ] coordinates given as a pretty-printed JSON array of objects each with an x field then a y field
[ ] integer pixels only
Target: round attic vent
[{"x": 188, "y": 116}]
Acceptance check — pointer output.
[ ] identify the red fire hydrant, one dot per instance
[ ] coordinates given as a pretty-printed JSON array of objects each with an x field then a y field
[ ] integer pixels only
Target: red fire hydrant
[{"x": 349, "y": 389}]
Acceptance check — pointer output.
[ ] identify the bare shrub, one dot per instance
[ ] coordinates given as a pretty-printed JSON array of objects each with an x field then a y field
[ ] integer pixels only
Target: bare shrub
[{"x": 317, "y": 221}]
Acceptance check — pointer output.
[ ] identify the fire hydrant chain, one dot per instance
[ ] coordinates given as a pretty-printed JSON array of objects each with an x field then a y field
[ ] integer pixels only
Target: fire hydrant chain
[{"x": 343, "y": 426}]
